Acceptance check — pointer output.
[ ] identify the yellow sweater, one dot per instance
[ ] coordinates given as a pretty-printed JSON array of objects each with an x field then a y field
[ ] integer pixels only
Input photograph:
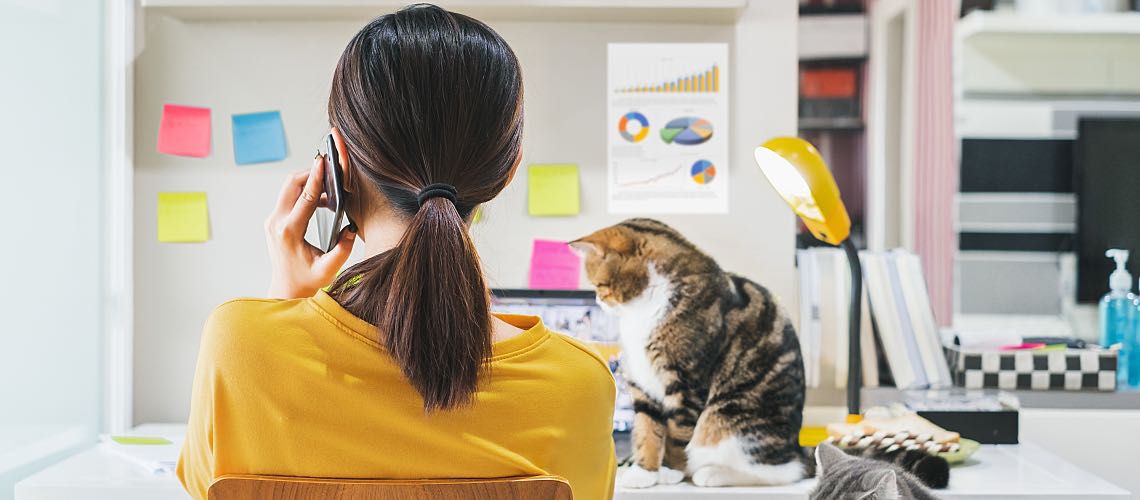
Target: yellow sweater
[{"x": 302, "y": 388}]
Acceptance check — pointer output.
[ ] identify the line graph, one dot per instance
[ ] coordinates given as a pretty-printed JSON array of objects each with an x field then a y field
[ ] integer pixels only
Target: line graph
[{"x": 654, "y": 179}]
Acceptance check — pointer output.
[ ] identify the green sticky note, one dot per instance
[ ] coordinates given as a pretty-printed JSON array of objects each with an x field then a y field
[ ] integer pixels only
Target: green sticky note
[
  {"x": 183, "y": 218},
  {"x": 478, "y": 214},
  {"x": 140, "y": 440},
  {"x": 552, "y": 190}
]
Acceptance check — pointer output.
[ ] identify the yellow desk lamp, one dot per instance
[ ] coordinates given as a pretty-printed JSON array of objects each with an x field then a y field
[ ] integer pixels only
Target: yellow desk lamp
[{"x": 798, "y": 172}]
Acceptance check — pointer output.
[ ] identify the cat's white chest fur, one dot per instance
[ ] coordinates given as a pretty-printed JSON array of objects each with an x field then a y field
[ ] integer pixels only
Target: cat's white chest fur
[{"x": 637, "y": 319}]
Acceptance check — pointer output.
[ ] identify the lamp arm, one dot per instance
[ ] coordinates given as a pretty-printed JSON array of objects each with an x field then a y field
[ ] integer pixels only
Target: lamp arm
[{"x": 855, "y": 322}]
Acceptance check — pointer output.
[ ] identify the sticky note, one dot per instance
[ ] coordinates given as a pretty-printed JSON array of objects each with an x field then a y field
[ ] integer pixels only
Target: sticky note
[
  {"x": 553, "y": 266},
  {"x": 184, "y": 131},
  {"x": 140, "y": 440},
  {"x": 552, "y": 189},
  {"x": 258, "y": 137},
  {"x": 478, "y": 214},
  {"x": 183, "y": 218}
]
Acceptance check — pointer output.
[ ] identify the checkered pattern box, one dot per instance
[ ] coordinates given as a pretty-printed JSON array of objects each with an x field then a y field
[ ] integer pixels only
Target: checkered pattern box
[{"x": 1069, "y": 370}]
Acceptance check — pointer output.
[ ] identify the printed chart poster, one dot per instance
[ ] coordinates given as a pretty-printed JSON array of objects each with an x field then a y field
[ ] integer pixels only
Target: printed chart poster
[{"x": 667, "y": 130}]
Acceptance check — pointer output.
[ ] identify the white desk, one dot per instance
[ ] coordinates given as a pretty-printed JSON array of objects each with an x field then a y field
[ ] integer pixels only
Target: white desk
[{"x": 1009, "y": 472}]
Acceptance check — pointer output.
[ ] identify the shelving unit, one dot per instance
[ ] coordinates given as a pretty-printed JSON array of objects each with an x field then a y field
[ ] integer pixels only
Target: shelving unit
[
  {"x": 1022, "y": 83},
  {"x": 1080, "y": 54},
  {"x": 647, "y": 11},
  {"x": 985, "y": 23},
  {"x": 835, "y": 41}
]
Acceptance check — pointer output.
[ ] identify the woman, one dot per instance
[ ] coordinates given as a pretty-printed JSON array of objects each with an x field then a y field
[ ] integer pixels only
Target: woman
[{"x": 400, "y": 370}]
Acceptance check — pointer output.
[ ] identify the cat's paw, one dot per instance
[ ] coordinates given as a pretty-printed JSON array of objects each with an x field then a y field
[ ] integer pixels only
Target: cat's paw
[
  {"x": 713, "y": 476},
  {"x": 636, "y": 477},
  {"x": 666, "y": 475}
]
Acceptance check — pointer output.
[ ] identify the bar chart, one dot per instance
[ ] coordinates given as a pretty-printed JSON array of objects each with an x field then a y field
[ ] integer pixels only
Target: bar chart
[{"x": 707, "y": 80}]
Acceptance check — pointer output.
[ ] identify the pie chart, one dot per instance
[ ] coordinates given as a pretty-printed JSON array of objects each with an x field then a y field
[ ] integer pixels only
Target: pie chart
[
  {"x": 703, "y": 172},
  {"x": 631, "y": 132},
  {"x": 688, "y": 130}
]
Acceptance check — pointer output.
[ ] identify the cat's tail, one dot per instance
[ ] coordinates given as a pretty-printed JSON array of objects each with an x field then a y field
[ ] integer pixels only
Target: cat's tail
[
  {"x": 807, "y": 456},
  {"x": 933, "y": 470}
]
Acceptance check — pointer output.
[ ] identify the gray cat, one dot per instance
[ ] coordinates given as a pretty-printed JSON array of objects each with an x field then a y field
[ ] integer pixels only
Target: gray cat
[{"x": 842, "y": 476}]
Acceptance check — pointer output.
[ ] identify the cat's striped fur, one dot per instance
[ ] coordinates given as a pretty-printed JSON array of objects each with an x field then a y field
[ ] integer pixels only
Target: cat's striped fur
[
  {"x": 932, "y": 470},
  {"x": 842, "y": 476},
  {"x": 713, "y": 362}
]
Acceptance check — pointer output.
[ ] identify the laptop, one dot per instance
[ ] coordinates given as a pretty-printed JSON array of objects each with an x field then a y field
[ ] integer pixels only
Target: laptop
[{"x": 575, "y": 313}]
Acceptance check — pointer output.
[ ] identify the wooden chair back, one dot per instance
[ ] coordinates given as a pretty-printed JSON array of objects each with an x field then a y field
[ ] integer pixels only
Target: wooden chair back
[{"x": 253, "y": 487}]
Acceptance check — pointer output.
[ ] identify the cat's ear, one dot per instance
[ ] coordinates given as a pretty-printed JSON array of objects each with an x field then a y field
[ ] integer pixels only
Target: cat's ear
[
  {"x": 585, "y": 248},
  {"x": 881, "y": 484},
  {"x": 610, "y": 239},
  {"x": 827, "y": 455}
]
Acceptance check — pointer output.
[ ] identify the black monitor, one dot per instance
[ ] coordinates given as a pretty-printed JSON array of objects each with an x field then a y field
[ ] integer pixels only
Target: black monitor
[{"x": 1107, "y": 183}]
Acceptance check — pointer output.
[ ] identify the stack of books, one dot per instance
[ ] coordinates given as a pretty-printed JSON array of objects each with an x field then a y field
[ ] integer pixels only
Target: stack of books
[{"x": 898, "y": 332}]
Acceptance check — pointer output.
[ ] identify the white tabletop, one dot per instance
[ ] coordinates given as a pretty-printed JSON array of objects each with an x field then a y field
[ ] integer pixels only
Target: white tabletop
[{"x": 1010, "y": 472}]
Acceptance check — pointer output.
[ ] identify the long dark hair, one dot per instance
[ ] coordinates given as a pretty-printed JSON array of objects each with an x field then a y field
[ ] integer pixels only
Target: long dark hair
[{"x": 425, "y": 96}]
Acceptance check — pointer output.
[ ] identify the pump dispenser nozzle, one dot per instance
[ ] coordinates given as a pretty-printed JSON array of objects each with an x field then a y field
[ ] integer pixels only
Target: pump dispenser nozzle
[{"x": 1120, "y": 279}]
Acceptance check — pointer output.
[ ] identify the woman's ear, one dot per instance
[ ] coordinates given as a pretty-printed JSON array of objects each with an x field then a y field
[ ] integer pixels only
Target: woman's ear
[
  {"x": 342, "y": 154},
  {"x": 514, "y": 169}
]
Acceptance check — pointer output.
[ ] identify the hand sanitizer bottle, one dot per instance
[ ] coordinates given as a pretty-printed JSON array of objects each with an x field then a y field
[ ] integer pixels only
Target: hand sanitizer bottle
[
  {"x": 1133, "y": 364},
  {"x": 1116, "y": 314}
]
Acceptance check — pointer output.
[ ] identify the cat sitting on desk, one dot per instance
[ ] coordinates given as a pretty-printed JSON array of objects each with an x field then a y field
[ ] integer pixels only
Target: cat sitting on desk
[{"x": 712, "y": 361}]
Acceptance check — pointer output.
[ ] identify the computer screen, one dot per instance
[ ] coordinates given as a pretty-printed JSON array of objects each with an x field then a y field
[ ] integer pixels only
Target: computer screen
[
  {"x": 577, "y": 314},
  {"x": 1107, "y": 178}
]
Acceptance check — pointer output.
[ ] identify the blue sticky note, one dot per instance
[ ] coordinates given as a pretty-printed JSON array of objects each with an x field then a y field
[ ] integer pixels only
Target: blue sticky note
[{"x": 258, "y": 137}]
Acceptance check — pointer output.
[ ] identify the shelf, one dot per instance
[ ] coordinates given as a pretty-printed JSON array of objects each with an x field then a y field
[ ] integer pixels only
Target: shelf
[
  {"x": 1077, "y": 400},
  {"x": 839, "y": 36},
  {"x": 680, "y": 11},
  {"x": 999, "y": 54},
  {"x": 830, "y": 124},
  {"x": 980, "y": 23}
]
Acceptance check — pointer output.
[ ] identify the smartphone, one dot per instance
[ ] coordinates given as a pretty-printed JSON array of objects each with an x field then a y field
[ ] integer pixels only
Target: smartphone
[{"x": 329, "y": 216}]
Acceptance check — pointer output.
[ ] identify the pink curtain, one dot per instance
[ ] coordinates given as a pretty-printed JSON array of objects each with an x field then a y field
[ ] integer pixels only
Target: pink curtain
[{"x": 935, "y": 165}]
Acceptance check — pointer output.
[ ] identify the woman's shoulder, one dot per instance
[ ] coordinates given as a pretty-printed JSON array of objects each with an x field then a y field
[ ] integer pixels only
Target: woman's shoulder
[
  {"x": 586, "y": 354},
  {"x": 236, "y": 324},
  {"x": 581, "y": 364},
  {"x": 247, "y": 311}
]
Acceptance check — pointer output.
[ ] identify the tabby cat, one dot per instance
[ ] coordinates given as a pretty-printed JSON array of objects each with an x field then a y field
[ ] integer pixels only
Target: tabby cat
[
  {"x": 712, "y": 361},
  {"x": 842, "y": 476}
]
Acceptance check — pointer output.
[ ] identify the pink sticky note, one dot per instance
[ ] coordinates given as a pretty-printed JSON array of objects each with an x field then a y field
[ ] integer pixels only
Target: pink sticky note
[
  {"x": 184, "y": 131},
  {"x": 553, "y": 266}
]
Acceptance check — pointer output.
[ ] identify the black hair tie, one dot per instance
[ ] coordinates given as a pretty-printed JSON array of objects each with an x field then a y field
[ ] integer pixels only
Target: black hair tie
[{"x": 436, "y": 191}]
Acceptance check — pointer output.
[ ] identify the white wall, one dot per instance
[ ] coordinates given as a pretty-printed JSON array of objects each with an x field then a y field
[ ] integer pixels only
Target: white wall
[
  {"x": 244, "y": 66},
  {"x": 51, "y": 252}
]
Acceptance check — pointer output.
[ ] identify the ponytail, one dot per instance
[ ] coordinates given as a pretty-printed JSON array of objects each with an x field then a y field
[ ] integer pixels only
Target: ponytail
[
  {"x": 430, "y": 301},
  {"x": 423, "y": 96}
]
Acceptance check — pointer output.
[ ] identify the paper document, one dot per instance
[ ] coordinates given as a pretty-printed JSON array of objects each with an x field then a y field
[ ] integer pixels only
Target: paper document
[
  {"x": 667, "y": 128},
  {"x": 154, "y": 454}
]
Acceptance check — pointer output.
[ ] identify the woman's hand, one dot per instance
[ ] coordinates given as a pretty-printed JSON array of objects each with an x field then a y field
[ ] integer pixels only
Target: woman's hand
[{"x": 300, "y": 269}]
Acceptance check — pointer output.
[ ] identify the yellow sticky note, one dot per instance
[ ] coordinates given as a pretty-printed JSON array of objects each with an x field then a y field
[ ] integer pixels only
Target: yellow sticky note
[
  {"x": 553, "y": 189},
  {"x": 141, "y": 440},
  {"x": 183, "y": 218},
  {"x": 478, "y": 214}
]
